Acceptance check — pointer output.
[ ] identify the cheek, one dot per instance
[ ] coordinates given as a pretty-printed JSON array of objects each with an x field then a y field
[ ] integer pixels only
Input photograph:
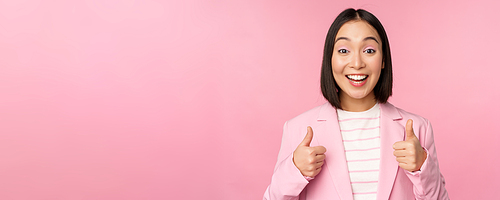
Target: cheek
[
  {"x": 376, "y": 64},
  {"x": 377, "y": 70},
  {"x": 337, "y": 66}
]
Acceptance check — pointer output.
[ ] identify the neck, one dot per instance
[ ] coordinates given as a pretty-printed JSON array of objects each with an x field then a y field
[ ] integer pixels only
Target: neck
[{"x": 357, "y": 105}]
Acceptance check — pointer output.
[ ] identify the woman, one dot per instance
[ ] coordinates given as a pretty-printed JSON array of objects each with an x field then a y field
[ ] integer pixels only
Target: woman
[{"x": 357, "y": 146}]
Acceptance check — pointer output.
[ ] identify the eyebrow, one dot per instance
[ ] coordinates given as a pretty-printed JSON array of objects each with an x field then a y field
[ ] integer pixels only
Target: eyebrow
[{"x": 367, "y": 38}]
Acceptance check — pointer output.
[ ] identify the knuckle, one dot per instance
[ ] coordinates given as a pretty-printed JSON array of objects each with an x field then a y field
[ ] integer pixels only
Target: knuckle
[
  {"x": 307, "y": 174},
  {"x": 310, "y": 151}
]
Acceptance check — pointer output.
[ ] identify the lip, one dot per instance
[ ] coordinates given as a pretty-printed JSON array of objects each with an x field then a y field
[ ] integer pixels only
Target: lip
[{"x": 358, "y": 83}]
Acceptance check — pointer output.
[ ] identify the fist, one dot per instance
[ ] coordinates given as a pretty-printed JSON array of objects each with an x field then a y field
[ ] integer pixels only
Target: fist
[
  {"x": 409, "y": 153},
  {"x": 307, "y": 159}
]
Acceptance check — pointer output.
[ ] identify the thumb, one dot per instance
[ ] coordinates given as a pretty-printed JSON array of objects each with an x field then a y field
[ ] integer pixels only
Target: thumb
[
  {"x": 309, "y": 136},
  {"x": 409, "y": 130}
]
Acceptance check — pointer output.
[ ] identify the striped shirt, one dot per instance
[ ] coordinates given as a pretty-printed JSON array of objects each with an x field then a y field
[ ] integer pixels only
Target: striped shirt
[{"x": 361, "y": 137}]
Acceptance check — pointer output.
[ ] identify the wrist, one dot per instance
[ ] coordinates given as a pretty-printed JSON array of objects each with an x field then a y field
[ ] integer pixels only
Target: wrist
[{"x": 423, "y": 158}]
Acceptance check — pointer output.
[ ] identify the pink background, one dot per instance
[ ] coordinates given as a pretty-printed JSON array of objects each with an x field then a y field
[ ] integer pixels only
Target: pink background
[{"x": 124, "y": 99}]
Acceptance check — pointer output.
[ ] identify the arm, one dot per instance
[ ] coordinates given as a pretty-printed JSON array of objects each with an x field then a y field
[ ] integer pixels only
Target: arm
[
  {"x": 287, "y": 181},
  {"x": 428, "y": 183}
]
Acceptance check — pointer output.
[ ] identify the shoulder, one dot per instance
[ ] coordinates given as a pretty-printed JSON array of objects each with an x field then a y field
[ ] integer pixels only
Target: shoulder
[
  {"x": 295, "y": 129},
  {"x": 392, "y": 111},
  {"x": 400, "y": 114},
  {"x": 313, "y": 114},
  {"x": 411, "y": 115}
]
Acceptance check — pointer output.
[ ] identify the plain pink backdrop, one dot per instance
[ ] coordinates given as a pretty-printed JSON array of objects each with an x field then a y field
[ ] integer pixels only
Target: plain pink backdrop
[{"x": 124, "y": 99}]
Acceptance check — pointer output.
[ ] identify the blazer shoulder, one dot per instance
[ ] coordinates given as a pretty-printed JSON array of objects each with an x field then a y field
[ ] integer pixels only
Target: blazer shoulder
[
  {"x": 310, "y": 116},
  {"x": 409, "y": 115},
  {"x": 417, "y": 119}
]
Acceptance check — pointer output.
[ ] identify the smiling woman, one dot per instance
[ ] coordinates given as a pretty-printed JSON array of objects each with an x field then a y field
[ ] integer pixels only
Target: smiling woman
[
  {"x": 363, "y": 31},
  {"x": 356, "y": 64},
  {"x": 363, "y": 147}
]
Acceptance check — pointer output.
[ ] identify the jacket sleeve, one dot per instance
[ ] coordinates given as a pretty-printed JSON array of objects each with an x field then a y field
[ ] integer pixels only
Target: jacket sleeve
[
  {"x": 428, "y": 183},
  {"x": 287, "y": 182}
]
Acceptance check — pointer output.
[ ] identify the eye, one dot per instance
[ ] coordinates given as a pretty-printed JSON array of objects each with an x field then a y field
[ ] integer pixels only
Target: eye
[
  {"x": 343, "y": 51},
  {"x": 370, "y": 51}
]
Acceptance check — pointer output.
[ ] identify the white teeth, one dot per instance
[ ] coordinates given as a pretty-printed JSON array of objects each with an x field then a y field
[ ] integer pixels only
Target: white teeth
[{"x": 356, "y": 77}]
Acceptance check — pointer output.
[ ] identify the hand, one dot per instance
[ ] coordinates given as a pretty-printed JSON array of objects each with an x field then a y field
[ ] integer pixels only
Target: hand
[
  {"x": 307, "y": 159},
  {"x": 409, "y": 153}
]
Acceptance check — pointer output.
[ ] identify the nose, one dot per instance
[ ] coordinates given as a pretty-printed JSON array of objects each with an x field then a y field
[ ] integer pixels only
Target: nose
[{"x": 357, "y": 61}]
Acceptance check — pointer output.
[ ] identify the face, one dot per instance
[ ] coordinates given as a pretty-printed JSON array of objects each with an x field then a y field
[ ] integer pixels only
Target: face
[{"x": 357, "y": 61}]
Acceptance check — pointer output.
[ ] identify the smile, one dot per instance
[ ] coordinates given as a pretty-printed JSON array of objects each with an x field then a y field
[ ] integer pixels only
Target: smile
[{"x": 357, "y": 80}]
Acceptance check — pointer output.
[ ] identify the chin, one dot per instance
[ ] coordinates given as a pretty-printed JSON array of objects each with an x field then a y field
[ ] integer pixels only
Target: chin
[{"x": 357, "y": 95}]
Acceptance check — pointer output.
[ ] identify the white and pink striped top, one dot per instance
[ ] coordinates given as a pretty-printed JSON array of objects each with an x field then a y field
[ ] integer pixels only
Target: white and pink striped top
[{"x": 361, "y": 138}]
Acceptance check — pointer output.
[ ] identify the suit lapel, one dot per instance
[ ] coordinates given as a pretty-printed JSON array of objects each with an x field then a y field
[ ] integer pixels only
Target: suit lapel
[
  {"x": 335, "y": 161},
  {"x": 391, "y": 131}
]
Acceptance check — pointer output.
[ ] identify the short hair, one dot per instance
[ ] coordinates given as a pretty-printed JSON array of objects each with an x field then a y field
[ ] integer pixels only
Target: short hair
[{"x": 329, "y": 87}]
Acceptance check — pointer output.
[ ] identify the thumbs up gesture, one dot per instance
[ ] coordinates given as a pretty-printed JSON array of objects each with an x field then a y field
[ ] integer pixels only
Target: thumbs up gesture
[
  {"x": 307, "y": 159},
  {"x": 409, "y": 153}
]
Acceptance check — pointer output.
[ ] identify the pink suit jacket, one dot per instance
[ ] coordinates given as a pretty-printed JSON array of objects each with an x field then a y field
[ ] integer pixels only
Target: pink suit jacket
[{"x": 333, "y": 181}]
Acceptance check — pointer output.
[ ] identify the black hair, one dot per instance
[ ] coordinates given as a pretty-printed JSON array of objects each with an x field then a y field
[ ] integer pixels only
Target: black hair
[{"x": 329, "y": 87}]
